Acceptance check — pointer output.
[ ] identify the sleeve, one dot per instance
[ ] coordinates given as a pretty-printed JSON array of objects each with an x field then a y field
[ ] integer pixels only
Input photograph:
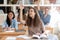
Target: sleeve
[
  {"x": 40, "y": 13},
  {"x": 48, "y": 20},
  {"x": 16, "y": 24}
]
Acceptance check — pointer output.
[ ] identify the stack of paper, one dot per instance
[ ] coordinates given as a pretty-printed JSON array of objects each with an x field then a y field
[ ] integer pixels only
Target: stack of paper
[{"x": 11, "y": 38}]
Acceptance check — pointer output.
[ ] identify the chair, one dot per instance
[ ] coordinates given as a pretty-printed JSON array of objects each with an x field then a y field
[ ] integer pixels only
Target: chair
[{"x": 21, "y": 27}]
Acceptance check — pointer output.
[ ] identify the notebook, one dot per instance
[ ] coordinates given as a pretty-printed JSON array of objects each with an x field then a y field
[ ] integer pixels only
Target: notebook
[{"x": 42, "y": 36}]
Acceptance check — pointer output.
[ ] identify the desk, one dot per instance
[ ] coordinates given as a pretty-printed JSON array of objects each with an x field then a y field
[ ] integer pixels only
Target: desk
[
  {"x": 4, "y": 38},
  {"x": 2, "y": 34}
]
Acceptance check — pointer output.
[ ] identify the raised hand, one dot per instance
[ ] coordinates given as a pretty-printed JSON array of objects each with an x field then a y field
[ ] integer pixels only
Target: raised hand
[{"x": 21, "y": 7}]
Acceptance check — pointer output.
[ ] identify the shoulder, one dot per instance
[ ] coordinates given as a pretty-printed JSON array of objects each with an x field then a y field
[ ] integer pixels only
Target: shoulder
[{"x": 14, "y": 20}]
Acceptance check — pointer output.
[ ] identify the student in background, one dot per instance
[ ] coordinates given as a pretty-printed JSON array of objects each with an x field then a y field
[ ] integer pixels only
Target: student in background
[
  {"x": 24, "y": 13},
  {"x": 10, "y": 23},
  {"x": 34, "y": 23},
  {"x": 44, "y": 14}
]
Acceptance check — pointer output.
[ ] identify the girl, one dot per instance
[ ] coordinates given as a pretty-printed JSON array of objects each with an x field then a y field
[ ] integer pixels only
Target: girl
[{"x": 10, "y": 22}]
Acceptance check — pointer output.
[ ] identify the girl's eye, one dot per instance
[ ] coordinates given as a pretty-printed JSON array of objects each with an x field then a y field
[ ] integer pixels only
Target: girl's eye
[{"x": 31, "y": 10}]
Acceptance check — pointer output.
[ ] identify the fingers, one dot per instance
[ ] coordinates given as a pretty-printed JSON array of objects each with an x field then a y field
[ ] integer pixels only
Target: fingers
[{"x": 21, "y": 7}]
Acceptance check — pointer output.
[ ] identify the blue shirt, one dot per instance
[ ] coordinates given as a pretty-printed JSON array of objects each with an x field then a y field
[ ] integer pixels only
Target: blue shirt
[
  {"x": 44, "y": 19},
  {"x": 13, "y": 25}
]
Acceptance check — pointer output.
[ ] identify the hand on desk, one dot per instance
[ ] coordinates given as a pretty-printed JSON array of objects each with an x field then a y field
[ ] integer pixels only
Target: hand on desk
[
  {"x": 5, "y": 29},
  {"x": 8, "y": 29},
  {"x": 38, "y": 34}
]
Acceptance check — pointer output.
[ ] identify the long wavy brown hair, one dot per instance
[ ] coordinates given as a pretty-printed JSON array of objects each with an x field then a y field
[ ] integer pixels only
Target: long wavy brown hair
[{"x": 36, "y": 21}]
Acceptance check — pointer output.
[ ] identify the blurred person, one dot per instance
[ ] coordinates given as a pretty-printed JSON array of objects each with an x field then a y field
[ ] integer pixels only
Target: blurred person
[
  {"x": 24, "y": 14},
  {"x": 10, "y": 23},
  {"x": 50, "y": 36},
  {"x": 44, "y": 15},
  {"x": 34, "y": 23}
]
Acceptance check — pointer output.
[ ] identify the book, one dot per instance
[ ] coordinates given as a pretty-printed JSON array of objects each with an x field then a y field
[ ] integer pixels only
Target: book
[{"x": 42, "y": 36}]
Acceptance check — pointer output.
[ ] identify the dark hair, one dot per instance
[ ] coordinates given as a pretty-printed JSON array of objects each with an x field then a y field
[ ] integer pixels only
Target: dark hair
[
  {"x": 35, "y": 0},
  {"x": 36, "y": 20},
  {"x": 8, "y": 20},
  {"x": 24, "y": 11}
]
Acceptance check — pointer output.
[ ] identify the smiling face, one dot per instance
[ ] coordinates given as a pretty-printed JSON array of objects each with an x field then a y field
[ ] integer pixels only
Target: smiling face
[
  {"x": 46, "y": 10},
  {"x": 10, "y": 15},
  {"x": 32, "y": 13}
]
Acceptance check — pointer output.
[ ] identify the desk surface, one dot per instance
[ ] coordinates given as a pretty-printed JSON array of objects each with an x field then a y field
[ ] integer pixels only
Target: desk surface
[
  {"x": 11, "y": 33},
  {"x": 4, "y": 38}
]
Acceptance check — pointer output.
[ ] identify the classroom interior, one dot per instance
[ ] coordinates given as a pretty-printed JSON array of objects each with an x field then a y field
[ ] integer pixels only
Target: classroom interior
[{"x": 52, "y": 7}]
